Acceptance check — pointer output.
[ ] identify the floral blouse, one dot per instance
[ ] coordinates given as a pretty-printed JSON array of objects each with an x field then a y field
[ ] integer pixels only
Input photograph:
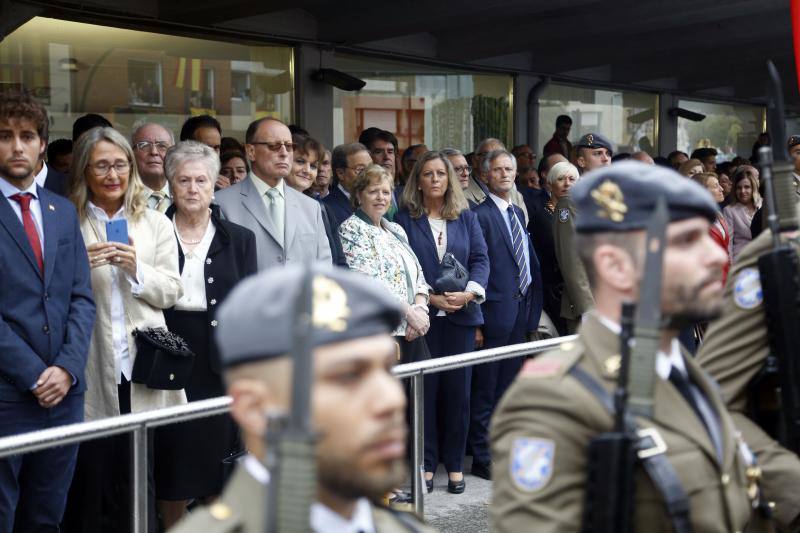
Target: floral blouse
[{"x": 384, "y": 254}]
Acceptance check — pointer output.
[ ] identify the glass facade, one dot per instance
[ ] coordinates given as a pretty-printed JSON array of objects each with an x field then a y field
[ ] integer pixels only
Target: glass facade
[
  {"x": 128, "y": 76},
  {"x": 437, "y": 108},
  {"x": 629, "y": 119},
  {"x": 730, "y": 128}
]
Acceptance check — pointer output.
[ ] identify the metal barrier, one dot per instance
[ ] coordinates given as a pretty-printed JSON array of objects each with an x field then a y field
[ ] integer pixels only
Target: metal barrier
[{"x": 139, "y": 423}]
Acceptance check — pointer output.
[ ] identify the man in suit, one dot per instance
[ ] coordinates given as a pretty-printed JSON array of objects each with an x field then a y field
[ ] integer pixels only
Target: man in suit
[
  {"x": 46, "y": 318},
  {"x": 288, "y": 224},
  {"x": 477, "y": 190},
  {"x": 150, "y": 143},
  {"x": 347, "y": 161},
  {"x": 513, "y": 303},
  {"x": 45, "y": 175}
]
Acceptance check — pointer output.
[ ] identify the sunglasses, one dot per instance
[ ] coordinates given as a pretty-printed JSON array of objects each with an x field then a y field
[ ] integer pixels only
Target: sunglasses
[{"x": 276, "y": 146}]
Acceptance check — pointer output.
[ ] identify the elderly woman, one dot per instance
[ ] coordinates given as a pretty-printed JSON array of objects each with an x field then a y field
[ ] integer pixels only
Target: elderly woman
[
  {"x": 719, "y": 230},
  {"x": 380, "y": 249},
  {"x": 212, "y": 255},
  {"x": 435, "y": 216},
  {"x": 745, "y": 201},
  {"x": 133, "y": 282}
]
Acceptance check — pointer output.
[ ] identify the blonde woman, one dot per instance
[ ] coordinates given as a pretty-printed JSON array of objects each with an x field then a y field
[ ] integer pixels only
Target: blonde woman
[
  {"x": 132, "y": 282},
  {"x": 435, "y": 216},
  {"x": 745, "y": 201}
]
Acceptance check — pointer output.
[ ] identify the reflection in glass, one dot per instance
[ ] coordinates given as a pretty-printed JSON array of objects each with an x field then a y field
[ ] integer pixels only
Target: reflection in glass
[
  {"x": 731, "y": 129},
  {"x": 629, "y": 119},
  {"x": 129, "y": 76}
]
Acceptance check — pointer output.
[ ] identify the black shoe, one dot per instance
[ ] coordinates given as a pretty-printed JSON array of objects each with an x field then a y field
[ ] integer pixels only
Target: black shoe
[
  {"x": 482, "y": 470},
  {"x": 429, "y": 485},
  {"x": 456, "y": 487}
]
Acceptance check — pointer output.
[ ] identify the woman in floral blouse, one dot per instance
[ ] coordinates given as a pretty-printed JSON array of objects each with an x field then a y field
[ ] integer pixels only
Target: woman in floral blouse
[{"x": 379, "y": 248}]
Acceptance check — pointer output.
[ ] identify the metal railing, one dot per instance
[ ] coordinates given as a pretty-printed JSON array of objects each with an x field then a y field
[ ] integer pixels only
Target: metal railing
[{"x": 139, "y": 423}]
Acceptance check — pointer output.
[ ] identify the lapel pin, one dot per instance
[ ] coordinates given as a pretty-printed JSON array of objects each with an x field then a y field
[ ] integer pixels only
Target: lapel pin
[{"x": 52, "y": 208}]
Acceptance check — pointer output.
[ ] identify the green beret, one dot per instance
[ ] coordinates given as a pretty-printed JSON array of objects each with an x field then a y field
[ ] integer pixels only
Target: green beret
[
  {"x": 595, "y": 140},
  {"x": 257, "y": 319},
  {"x": 623, "y": 196}
]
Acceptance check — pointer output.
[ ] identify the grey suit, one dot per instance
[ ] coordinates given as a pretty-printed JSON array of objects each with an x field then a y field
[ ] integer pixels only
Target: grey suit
[{"x": 305, "y": 238}]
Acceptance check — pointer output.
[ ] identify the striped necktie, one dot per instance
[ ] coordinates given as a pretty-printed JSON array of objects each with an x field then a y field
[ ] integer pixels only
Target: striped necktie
[{"x": 519, "y": 252}]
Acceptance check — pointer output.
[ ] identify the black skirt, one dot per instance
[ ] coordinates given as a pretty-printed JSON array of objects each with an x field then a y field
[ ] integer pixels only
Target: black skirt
[{"x": 189, "y": 456}]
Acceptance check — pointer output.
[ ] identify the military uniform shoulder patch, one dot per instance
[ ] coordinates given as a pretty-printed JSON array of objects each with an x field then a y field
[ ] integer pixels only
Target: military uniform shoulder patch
[
  {"x": 747, "y": 292},
  {"x": 563, "y": 214},
  {"x": 531, "y": 463},
  {"x": 539, "y": 367}
]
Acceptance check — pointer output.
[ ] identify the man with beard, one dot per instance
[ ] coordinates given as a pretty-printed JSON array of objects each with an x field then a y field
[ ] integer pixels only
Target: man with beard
[
  {"x": 544, "y": 424},
  {"x": 357, "y": 406}
]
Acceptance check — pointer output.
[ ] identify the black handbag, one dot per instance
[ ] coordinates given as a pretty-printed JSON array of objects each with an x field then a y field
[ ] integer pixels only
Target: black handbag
[
  {"x": 453, "y": 277},
  {"x": 163, "y": 359}
]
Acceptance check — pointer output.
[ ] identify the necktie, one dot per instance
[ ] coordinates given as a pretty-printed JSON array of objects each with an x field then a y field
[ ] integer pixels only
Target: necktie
[
  {"x": 517, "y": 243},
  {"x": 275, "y": 213},
  {"x": 157, "y": 201},
  {"x": 24, "y": 201},
  {"x": 700, "y": 405}
]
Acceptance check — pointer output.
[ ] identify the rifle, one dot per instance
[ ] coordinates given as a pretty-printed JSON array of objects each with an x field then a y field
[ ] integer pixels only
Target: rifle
[
  {"x": 612, "y": 455},
  {"x": 779, "y": 269},
  {"x": 290, "y": 441}
]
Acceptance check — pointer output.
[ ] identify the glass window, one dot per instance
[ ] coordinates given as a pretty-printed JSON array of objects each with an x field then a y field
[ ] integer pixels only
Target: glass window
[
  {"x": 628, "y": 119},
  {"x": 730, "y": 128},
  {"x": 129, "y": 76},
  {"x": 420, "y": 105}
]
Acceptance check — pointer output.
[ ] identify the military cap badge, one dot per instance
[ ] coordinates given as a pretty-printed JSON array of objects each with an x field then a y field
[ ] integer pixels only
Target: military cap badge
[
  {"x": 330, "y": 305},
  {"x": 609, "y": 198}
]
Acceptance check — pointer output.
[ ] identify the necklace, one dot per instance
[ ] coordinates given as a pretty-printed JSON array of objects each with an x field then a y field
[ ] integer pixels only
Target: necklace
[
  {"x": 438, "y": 226},
  {"x": 186, "y": 241}
]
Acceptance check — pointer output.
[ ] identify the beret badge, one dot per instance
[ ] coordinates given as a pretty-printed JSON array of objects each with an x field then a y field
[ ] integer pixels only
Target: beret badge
[
  {"x": 590, "y": 139},
  {"x": 330, "y": 305},
  {"x": 608, "y": 197}
]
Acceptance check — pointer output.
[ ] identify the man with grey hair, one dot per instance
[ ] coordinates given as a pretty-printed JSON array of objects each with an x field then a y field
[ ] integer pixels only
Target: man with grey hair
[
  {"x": 513, "y": 303},
  {"x": 150, "y": 143},
  {"x": 476, "y": 191},
  {"x": 347, "y": 162}
]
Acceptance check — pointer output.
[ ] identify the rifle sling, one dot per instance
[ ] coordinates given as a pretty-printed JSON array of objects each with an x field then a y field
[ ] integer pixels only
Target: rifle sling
[{"x": 657, "y": 466}]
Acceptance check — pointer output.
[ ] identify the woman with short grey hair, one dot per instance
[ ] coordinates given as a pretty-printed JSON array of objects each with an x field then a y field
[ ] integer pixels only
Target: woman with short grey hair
[
  {"x": 213, "y": 255},
  {"x": 561, "y": 178}
]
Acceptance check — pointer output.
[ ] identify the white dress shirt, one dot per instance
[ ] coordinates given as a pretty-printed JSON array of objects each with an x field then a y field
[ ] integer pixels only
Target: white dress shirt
[
  {"x": 36, "y": 208},
  {"x": 193, "y": 274},
  {"x": 41, "y": 177},
  {"x": 123, "y": 365}
]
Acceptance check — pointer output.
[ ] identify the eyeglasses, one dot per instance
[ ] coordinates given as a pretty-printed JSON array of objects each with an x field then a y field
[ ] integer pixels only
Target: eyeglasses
[
  {"x": 527, "y": 155},
  {"x": 103, "y": 169},
  {"x": 276, "y": 146},
  {"x": 358, "y": 170},
  {"x": 145, "y": 146},
  {"x": 463, "y": 169}
]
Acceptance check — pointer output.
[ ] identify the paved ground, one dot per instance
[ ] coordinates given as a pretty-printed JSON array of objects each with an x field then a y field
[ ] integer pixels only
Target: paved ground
[{"x": 458, "y": 513}]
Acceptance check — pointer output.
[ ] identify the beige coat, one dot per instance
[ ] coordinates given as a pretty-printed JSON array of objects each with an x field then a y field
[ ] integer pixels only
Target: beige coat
[{"x": 157, "y": 253}]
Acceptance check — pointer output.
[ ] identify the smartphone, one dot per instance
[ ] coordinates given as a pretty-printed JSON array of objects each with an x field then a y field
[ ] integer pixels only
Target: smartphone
[{"x": 117, "y": 231}]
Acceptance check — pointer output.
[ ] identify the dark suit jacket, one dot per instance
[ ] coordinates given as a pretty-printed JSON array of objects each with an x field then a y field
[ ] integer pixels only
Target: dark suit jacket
[
  {"x": 55, "y": 181},
  {"x": 502, "y": 292},
  {"x": 338, "y": 206},
  {"x": 333, "y": 237},
  {"x": 465, "y": 241},
  {"x": 43, "y": 322},
  {"x": 231, "y": 258}
]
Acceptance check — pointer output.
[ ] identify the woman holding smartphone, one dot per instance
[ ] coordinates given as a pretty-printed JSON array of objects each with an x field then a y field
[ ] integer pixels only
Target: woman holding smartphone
[{"x": 132, "y": 282}]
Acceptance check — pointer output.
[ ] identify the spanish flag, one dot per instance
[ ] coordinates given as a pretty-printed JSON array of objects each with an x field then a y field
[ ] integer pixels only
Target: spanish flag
[{"x": 191, "y": 69}]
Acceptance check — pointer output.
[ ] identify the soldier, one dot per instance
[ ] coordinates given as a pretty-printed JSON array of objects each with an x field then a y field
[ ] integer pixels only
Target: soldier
[
  {"x": 734, "y": 352},
  {"x": 357, "y": 406},
  {"x": 594, "y": 151},
  {"x": 544, "y": 424}
]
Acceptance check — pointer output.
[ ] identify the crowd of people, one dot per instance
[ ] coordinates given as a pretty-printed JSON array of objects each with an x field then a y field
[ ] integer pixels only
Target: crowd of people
[{"x": 478, "y": 249}]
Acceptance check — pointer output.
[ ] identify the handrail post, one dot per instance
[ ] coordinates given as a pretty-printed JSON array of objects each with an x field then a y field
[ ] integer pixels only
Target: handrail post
[
  {"x": 139, "y": 477},
  {"x": 418, "y": 441}
]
